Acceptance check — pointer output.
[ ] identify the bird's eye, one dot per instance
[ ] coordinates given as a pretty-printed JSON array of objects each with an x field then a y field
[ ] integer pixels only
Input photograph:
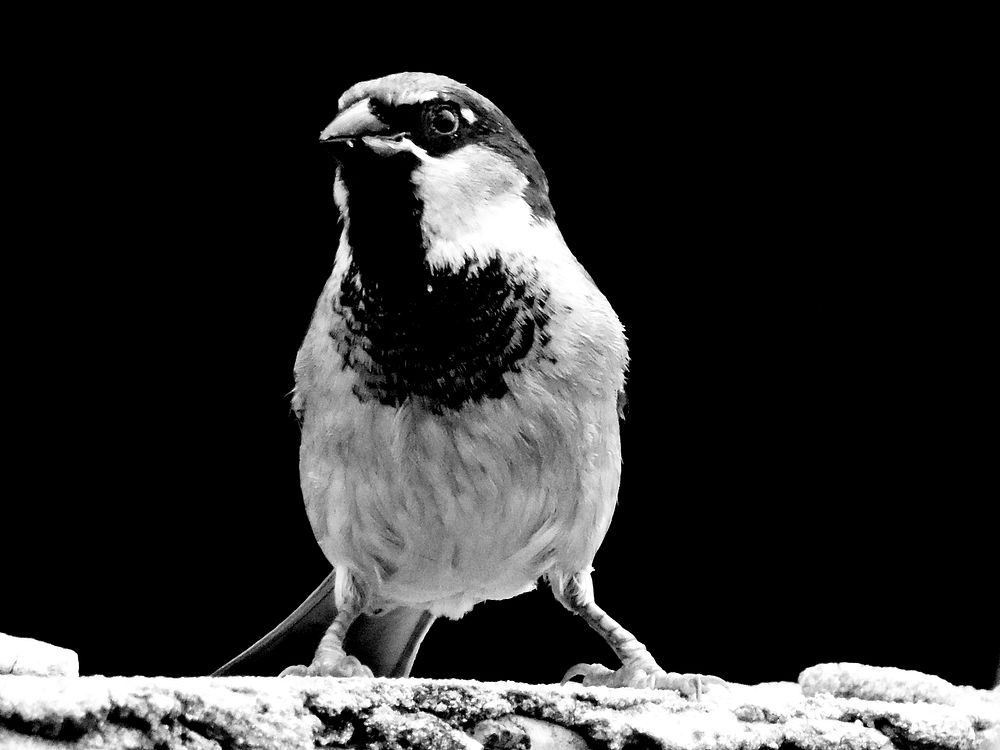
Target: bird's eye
[{"x": 444, "y": 121}]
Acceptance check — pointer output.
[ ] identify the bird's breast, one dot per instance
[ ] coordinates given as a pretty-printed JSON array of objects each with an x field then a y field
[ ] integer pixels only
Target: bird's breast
[
  {"x": 447, "y": 509},
  {"x": 460, "y": 432},
  {"x": 444, "y": 337}
]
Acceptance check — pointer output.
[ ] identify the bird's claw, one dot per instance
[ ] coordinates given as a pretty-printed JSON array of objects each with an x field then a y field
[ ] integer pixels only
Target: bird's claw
[
  {"x": 644, "y": 675},
  {"x": 689, "y": 685},
  {"x": 345, "y": 666}
]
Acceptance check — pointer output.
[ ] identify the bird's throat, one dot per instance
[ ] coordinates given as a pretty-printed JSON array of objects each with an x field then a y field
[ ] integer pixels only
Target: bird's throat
[
  {"x": 443, "y": 338},
  {"x": 383, "y": 219}
]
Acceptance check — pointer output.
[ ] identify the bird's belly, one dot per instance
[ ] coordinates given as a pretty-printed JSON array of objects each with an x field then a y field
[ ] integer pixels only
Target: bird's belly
[
  {"x": 461, "y": 552},
  {"x": 444, "y": 511}
]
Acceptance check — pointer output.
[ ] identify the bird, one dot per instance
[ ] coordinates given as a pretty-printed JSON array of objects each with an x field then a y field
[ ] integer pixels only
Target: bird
[{"x": 459, "y": 391}]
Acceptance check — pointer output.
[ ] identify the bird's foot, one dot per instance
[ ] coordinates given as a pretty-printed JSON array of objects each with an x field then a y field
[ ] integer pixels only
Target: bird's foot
[
  {"x": 640, "y": 673},
  {"x": 341, "y": 665}
]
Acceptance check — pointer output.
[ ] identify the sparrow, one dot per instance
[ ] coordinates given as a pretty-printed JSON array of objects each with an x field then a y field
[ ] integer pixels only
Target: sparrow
[{"x": 459, "y": 391}]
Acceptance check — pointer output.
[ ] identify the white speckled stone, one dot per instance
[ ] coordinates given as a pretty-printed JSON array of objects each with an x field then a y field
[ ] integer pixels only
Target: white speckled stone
[
  {"x": 268, "y": 712},
  {"x": 26, "y": 656}
]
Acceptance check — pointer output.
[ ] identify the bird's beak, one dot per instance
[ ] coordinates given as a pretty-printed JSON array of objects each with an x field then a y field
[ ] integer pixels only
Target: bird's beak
[
  {"x": 359, "y": 125},
  {"x": 357, "y": 121}
]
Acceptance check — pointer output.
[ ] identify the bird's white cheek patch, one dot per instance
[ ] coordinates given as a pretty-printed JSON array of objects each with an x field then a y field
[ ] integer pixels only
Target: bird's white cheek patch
[{"x": 463, "y": 193}]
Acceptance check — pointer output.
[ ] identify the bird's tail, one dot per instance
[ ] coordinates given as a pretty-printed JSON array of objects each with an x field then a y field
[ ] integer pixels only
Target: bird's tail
[{"x": 387, "y": 642}]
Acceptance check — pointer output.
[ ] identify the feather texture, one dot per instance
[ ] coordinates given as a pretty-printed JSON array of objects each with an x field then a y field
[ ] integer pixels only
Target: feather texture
[
  {"x": 459, "y": 383},
  {"x": 442, "y": 508}
]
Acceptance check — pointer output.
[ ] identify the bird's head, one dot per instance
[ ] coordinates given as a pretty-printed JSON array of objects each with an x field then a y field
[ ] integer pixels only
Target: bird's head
[{"x": 432, "y": 163}]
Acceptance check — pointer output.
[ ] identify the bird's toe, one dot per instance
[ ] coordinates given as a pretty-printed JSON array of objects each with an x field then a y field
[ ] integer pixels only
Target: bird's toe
[
  {"x": 688, "y": 685},
  {"x": 644, "y": 675},
  {"x": 630, "y": 675},
  {"x": 345, "y": 666}
]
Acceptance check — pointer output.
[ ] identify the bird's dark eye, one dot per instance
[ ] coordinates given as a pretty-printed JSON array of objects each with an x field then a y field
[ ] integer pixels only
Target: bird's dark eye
[{"x": 443, "y": 121}]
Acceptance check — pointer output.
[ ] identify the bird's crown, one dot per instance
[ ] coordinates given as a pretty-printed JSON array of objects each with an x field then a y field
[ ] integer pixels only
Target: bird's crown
[{"x": 410, "y": 88}]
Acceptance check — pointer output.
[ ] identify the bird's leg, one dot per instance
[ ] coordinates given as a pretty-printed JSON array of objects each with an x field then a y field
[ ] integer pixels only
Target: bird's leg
[
  {"x": 330, "y": 659},
  {"x": 639, "y": 669}
]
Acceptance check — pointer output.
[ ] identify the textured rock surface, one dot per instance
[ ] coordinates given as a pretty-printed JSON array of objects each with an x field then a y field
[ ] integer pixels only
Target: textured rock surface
[
  {"x": 867, "y": 708},
  {"x": 28, "y": 656}
]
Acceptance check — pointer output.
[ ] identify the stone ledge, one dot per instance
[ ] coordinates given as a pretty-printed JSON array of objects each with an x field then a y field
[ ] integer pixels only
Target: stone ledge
[
  {"x": 909, "y": 710},
  {"x": 24, "y": 656}
]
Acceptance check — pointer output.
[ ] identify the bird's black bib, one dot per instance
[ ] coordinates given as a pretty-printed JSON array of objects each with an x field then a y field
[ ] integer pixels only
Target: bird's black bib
[
  {"x": 443, "y": 336},
  {"x": 446, "y": 337}
]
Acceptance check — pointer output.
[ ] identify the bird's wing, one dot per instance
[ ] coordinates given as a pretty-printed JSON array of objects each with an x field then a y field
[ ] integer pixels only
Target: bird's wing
[{"x": 387, "y": 643}]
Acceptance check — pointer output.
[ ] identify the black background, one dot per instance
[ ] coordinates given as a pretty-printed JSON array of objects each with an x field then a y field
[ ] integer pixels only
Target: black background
[{"x": 806, "y": 455}]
